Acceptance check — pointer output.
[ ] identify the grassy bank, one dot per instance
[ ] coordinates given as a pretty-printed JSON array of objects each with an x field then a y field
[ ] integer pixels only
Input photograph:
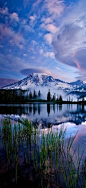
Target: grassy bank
[{"x": 37, "y": 159}]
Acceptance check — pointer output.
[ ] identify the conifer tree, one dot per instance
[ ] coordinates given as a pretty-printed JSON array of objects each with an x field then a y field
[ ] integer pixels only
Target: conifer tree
[
  {"x": 83, "y": 99},
  {"x": 34, "y": 94},
  {"x": 60, "y": 98},
  {"x": 30, "y": 95},
  {"x": 49, "y": 96},
  {"x": 54, "y": 97},
  {"x": 39, "y": 93}
]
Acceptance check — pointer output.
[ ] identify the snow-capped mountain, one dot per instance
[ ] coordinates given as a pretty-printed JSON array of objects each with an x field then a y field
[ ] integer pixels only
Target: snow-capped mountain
[
  {"x": 44, "y": 82},
  {"x": 39, "y": 79}
]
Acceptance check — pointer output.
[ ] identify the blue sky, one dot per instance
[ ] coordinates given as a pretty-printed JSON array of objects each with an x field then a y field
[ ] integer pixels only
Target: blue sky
[{"x": 46, "y": 36}]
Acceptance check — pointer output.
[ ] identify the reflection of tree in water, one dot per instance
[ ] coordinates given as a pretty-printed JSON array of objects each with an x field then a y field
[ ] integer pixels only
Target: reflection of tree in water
[
  {"x": 12, "y": 110},
  {"x": 39, "y": 109},
  {"x": 30, "y": 109},
  {"x": 48, "y": 109},
  {"x": 57, "y": 107},
  {"x": 75, "y": 113},
  {"x": 79, "y": 115},
  {"x": 26, "y": 110},
  {"x": 68, "y": 106},
  {"x": 34, "y": 109},
  {"x": 60, "y": 107},
  {"x": 79, "y": 107},
  {"x": 54, "y": 108},
  {"x": 83, "y": 107}
]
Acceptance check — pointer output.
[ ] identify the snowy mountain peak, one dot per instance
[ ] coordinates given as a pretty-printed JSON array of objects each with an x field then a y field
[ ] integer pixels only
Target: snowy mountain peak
[
  {"x": 36, "y": 79},
  {"x": 40, "y": 81},
  {"x": 77, "y": 83}
]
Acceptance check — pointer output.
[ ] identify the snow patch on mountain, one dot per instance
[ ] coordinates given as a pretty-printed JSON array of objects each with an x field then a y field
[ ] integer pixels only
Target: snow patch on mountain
[
  {"x": 38, "y": 80},
  {"x": 44, "y": 82}
]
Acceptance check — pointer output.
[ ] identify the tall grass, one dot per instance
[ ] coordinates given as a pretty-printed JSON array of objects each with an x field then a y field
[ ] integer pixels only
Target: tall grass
[{"x": 47, "y": 157}]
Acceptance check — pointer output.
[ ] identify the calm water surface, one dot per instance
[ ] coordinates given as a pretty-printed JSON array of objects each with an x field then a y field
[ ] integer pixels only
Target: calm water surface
[
  {"x": 71, "y": 116},
  {"x": 46, "y": 117},
  {"x": 48, "y": 113}
]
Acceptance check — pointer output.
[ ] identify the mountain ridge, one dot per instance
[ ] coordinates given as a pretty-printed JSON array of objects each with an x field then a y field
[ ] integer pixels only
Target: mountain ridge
[
  {"x": 36, "y": 81},
  {"x": 35, "y": 78}
]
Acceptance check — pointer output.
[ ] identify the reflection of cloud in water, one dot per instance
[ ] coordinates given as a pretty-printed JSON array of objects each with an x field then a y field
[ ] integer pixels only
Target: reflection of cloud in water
[
  {"x": 55, "y": 113},
  {"x": 79, "y": 143},
  {"x": 48, "y": 113},
  {"x": 71, "y": 117},
  {"x": 72, "y": 128}
]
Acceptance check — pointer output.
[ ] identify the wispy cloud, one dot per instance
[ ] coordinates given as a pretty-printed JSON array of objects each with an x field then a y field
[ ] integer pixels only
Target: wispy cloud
[
  {"x": 4, "y": 11},
  {"x": 12, "y": 63},
  {"x": 48, "y": 37},
  {"x": 7, "y": 32},
  {"x": 54, "y": 8},
  {"x": 49, "y": 24},
  {"x": 41, "y": 51},
  {"x": 7, "y": 81},
  {"x": 33, "y": 19},
  {"x": 36, "y": 3},
  {"x": 69, "y": 43},
  {"x": 35, "y": 32},
  {"x": 14, "y": 38},
  {"x": 14, "y": 17},
  {"x": 49, "y": 27},
  {"x": 47, "y": 20},
  {"x": 35, "y": 70},
  {"x": 49, "y": 54}
]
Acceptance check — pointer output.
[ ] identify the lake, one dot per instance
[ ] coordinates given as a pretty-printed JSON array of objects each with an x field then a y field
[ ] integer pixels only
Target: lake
[
  {"x": 47, "y": 113},
  {"x": 46, "y": 117}
]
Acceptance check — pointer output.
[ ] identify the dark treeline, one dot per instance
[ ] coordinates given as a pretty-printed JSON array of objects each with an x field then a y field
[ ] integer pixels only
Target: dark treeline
[
  {"x": 54, "y": 97},
  {"x": 22, "y": 96},
  {"x": 19, "y": 95},
  {"x": 12, "y": 96}
]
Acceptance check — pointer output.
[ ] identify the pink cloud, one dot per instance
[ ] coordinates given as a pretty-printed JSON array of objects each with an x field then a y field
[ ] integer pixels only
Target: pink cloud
[
  {"x": 46, "y": 20},
  {"x": 80, "y": 59},
  {"x": 14, "y": 38},
  {"x": 35, "y": 70},
  {"x": 48, "y": 37},
  {"x": 77, "y": 63},
  {"x": 14, "y": 16},
  {"x": 49, "y": 54},
  {"x": 5, "y": 31},
  {"x": 18, "y": 39},
  {"x": 51, "y": 28},
  {"x": 4, "y": 11},
  {"x": 55, "y": 7},
  {"x": 7, "y": 81}
]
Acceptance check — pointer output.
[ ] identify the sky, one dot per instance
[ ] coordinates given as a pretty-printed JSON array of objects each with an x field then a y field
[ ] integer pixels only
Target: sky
[{"x": 46, "y": 36}]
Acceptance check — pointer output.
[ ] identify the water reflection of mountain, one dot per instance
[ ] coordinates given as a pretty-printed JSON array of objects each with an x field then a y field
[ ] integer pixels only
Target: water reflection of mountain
[{"x": 47, "y": 113}]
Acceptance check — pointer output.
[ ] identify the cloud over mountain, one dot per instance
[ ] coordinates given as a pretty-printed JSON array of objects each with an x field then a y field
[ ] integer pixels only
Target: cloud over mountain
[
  {"x": 7, "y": 81},
  {"x": 66, "y": 42},
  {"x": 34, "y": 70},
  {"x": 43, "y": 34},
  {"x": 69, "y": 42}
]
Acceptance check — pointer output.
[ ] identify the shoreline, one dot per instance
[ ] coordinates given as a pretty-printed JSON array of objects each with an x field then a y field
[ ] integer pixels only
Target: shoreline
[{"x": 45, "y": 102}]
